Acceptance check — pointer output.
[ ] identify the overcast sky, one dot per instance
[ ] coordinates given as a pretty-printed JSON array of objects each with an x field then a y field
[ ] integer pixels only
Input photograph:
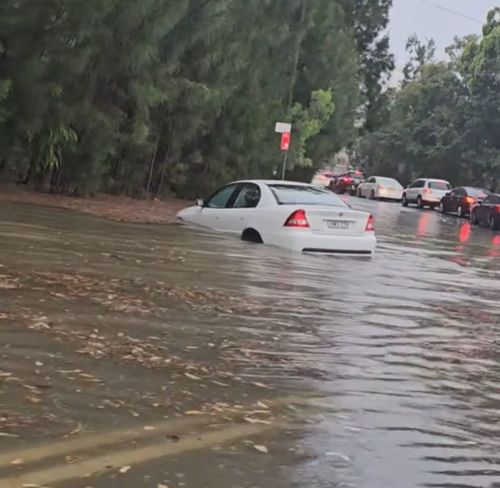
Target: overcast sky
[{"x": 434, "y": 19}]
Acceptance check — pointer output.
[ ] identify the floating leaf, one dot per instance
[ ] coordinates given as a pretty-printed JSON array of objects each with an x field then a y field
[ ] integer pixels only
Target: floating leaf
[
  {"x": 192, "y": 377},
  {"x": 17, "y": 462},
  {"x": 125, "y": 469},
  {"x": 262, "y": 449},
  {"x": 194, "y": 412}
]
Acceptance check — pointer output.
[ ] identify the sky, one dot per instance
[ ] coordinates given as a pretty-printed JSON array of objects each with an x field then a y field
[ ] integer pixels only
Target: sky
[{"x": 434, "y": 19}]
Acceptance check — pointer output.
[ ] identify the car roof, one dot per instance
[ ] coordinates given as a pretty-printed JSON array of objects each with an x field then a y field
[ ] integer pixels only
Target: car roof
[
  {"x": 274, "y": 182},
  {"x": 474, "y": 188},
  {"x": 437, "y": 180}
]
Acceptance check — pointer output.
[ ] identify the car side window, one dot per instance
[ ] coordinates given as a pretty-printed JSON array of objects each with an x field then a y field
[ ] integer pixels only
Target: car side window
[
  {"x": 460, "y": 192},
  {"x": 248, "y": 196},
  {"x": 221, "y": 198},
  {"x": 418, "y": 184},
  {"x": 371, "y": 180}
]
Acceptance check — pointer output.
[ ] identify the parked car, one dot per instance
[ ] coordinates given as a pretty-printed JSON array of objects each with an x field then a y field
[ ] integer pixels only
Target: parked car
[
  {"x": 322, "y": 178},
  {"x": 378, "y": 187},
  {"x": 425, "y": 192},
  {"x": 342, "y": 184},
  {"x": 358, "y": 177},
  {"x": 294, "y": 216},
  {"x": 487, "y": 211},
  {"x": 460, "y": 200}
]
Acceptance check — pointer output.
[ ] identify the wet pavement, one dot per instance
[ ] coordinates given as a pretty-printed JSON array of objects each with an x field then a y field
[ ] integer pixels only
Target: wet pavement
[{"x": 348, "y": 372}]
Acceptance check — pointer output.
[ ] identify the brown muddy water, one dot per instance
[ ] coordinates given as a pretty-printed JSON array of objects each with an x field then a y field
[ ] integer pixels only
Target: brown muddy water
[{"x": 236, "y": 365}]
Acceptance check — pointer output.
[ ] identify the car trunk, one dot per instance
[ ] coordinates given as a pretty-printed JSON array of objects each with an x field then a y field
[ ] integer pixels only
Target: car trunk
[{"x": 341, "y": 221}]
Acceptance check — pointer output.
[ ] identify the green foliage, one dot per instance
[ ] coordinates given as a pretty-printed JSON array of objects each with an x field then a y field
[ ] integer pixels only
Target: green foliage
[
  {"x": 157, "y": 96},
  {"x": 309, "y": 122}
]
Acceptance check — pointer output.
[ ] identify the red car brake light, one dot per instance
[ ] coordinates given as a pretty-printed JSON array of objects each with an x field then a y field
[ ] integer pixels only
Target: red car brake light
[
  {"x": 298, "y": 219},
  {"x": 470, "y": 200},
  {"x": 498, "y": 208},
  {"x": 370, "y": 225},
  {"x": 427, "y": 190}
]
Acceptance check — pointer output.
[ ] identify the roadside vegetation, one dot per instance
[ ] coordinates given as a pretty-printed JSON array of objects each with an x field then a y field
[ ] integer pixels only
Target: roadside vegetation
[
  {"x": 164, "y": 97},
  {"x": 444, "y": 119}
]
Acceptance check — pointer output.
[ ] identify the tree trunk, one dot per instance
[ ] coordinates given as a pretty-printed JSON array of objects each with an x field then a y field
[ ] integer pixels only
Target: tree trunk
[
  {"x": 152, "y": 165},
  {"x": 299, "y": 40}
]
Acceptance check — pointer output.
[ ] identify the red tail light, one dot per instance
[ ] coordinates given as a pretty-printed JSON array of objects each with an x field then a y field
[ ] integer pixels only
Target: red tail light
[
  {"x": 470, "y": 200},
  {"x": 370, "y": 225},
  {"x": 298, "y": 220},
  {"x": 381, "y": 186},
  {"x": 346, "y": 180},
  {"x": 427, "y": 190},
  {"x": 498, "y": 208}
]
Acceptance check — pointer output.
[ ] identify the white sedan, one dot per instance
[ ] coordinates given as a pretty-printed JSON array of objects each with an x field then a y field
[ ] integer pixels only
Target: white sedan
[
  {"x": 378, "y": 187},
  {"x": 295, "y": 216}
]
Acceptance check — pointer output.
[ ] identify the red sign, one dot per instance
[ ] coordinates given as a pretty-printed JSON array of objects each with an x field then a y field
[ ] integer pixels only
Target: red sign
[{"x": 285, "y": 141}]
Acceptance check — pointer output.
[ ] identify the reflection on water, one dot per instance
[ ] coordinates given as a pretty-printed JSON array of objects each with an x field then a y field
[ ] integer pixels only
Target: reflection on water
[{"x": 404, "y": 348}]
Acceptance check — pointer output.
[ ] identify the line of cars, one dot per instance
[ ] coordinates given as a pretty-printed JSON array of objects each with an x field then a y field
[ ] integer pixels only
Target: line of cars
[{"x": 479, "y": 204}]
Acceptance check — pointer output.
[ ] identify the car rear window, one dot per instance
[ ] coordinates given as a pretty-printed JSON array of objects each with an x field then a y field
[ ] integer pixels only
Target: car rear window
[
  {"x": 439, "y": 185},
  {"x": 477, "y": 192},
  {"x": 305, "y": 195},
  {"x": 388, "y": 182}
]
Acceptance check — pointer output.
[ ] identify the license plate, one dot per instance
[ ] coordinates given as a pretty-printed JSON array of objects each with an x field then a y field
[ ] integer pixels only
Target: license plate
[{"x": 338, "y": 224}]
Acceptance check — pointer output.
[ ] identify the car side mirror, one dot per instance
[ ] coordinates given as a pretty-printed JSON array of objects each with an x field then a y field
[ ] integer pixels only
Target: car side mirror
[{"x": 200, "y": 202}]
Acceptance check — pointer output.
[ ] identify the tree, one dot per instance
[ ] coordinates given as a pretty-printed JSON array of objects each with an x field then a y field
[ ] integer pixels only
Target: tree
[
  {"x": 370, "y": 19},
  {"x": 160, "y": 96},
  {"x": 444, "y": 119}
]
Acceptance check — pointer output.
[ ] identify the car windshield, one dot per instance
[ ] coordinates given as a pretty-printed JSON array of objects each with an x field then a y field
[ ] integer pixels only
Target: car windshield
[
  {"x": 388, "y": 182},
  {"x": 305, "y": 195},
  {"x": 477, "y": 192},
  {"x": 439, "y": 185}
]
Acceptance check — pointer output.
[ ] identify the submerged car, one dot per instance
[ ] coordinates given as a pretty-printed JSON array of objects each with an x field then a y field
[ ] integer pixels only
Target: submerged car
[
  {"x": 378, "y": 188},
  {"x": 425, "y": 192},
  {"x": 460, "y": 200},
  {"x": 487, "y": 212},
  {"x": 295, "y": 216}
]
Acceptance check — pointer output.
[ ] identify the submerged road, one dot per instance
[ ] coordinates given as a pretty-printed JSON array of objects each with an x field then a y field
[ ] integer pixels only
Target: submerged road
[{"x": 151, "y": 356}]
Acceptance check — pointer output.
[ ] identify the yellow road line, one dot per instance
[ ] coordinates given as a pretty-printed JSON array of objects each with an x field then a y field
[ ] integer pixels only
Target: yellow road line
[
  {"x": 134, "y": 456},
  {"x": 75, "y": 444}
]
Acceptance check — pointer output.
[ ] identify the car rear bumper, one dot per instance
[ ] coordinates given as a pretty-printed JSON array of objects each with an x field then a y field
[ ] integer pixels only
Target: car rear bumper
[
  {"x": 310, "y": 242},
  {"x": 390, "y": 195}
]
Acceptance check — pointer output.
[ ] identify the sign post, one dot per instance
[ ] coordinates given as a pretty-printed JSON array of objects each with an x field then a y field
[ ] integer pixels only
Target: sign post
[
  {"x": 285, "y": 146},
  {"x": 285, "y": 129}
]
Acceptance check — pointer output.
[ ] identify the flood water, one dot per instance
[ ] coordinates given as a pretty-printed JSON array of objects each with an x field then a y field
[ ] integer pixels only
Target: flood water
[{"x": 402, "y": 352}]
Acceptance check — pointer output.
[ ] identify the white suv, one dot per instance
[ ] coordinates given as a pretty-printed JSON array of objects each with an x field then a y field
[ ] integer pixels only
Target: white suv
[{"x": 425, "y": 192}]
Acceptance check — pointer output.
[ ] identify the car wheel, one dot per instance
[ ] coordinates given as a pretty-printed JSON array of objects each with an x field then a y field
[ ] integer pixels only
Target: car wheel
[
  {"x": 404, "y": 200},
  {"x": 473, "y": 219},
  {"x": 359, "y": 194},
  {"x": 372, "y": 195},
  {"x": 441, "y": 208},
  {"x": 460, "y": 212},
  {"x": 420, "y": 202},
  {"x": 251, "y": 235},
  {"x": 493, "y": 224}
]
